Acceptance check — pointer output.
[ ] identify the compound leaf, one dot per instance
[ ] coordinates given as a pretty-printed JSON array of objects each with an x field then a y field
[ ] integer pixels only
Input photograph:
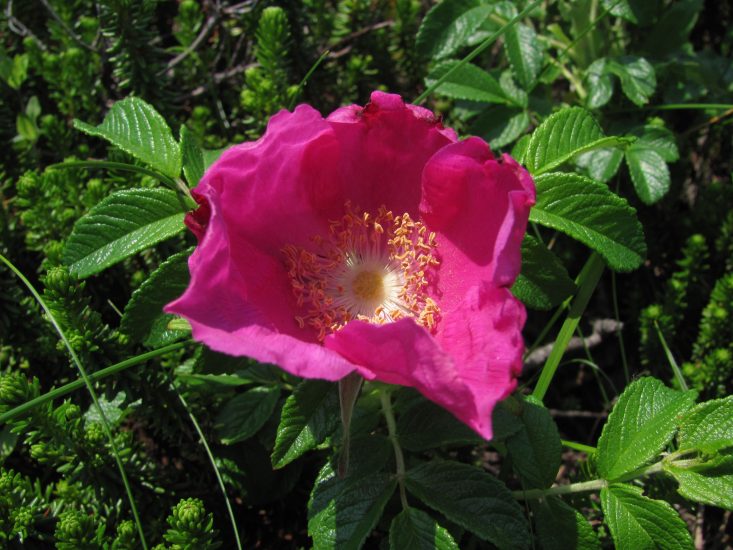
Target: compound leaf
[
  {"x": 473, "y": 499},
  {"x": 138, "y": 129},
  {"x": 413, "y": 529},
  {"x": 590, "y": 213},
  {"x": 643, "y": 421},
  {"x": 122, "y": 224},
  {"x": 641, "y": 523}
]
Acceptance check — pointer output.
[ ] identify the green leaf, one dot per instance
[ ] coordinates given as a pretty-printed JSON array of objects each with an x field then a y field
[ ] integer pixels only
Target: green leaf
[
  {"x": 26, "y": 128},
  {"x": 243, "y": 415},
  {"x": 710, "y": 483},
  {"x": 525, "y": 54},
  {"x": 33, "y": 109},
  {"x": 659, "y": 139},
  {"x": 598, "y": 83},
  {"x": 468, "y": 82},
  {"x": 505, "y": 418},
  {"x": 672, "y": 29},
  {"x": 562, "y": 136},
  {"x": 448, "y": 26},
  {"x": 649, "y": 173},
  {"x": 562, "y": 527},
  {"x": 500, "y": 125},
  {"x": 638, "y": 79},
  {"x": 145, "y": 307},
  {"x": 192, "y": 157},
  {"x": 210, "y": 156},
  {"x": 212, "y": 380},
  {"x": 472, "y": 499},
  {"x": 309, "y": 415},
  {"x": 342, "y": 512},
  {"x": 211, "y": 362},
  {"x": 708, "y": 427},
  {"x": 514, "y": 93},
  {"x": 600, "y": 164},
  {"x": 589, "y": 212},
  {"x": 535, "y": 449},
  {"x": 544, "y": 282},
  {"x": 14, "y": 71},
  {"x": 641, "y": 523},
  {"x": 8, "y": 440},
  {"x": 643, "y": 421},
  {"x": 112, "y": 409},
  {"x": 167, "y": 329},
  {"x": 138, "y": 129},
  {"x": 122, "y": 224},
  {"x": 425, "y": 425},
  {"x": 413, "y": 529},
  {"x": 639, "y": 12},
  {"x": 520, "y": 148}
]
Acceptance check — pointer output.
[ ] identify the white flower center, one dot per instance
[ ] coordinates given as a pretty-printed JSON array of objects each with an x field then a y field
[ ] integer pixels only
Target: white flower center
[{"x": 375, "y": 268}]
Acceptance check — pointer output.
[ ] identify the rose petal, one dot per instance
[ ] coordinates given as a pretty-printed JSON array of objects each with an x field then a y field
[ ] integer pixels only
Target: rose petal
[
  {"x": 479, "y": 208},
  {"x": 385, "y": 146}
]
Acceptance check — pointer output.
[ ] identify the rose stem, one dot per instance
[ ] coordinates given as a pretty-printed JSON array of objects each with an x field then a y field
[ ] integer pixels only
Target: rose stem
[{"x": 384, "y": 397}]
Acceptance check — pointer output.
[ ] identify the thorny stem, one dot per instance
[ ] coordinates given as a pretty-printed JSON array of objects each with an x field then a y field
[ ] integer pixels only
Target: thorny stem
[
  {"x": 384, "y": 397},
  {"x": 587, "y": 281}
]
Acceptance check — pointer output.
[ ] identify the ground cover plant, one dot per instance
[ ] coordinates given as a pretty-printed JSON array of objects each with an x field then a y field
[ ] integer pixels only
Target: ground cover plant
[{"x": 366, "y": 328}]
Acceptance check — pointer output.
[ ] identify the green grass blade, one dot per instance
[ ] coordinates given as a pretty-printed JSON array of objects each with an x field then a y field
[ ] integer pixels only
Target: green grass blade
[
  {"x": 79, "y": 383},
  {"x": 92, "y": 393},
  {"x": 587, "y": 281},
  {"x": 213, "y": 465},
  {"x": 303, "y": 82},
  {"x": 670, "y": 358}
]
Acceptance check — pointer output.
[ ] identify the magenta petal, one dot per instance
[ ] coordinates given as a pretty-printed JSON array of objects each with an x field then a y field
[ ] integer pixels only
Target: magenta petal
[
  {"x": 239, "y": 302},
  {"x": 404, "y": 353},
  {"x": 479, "y": 207},
  {"x": 385, "y": 146},
  {"x": 467, "y": 369},
  {"x": 483, "y": 335},
  {"x": 278, "y": 190},
  {"x": 292, "y": 188}
]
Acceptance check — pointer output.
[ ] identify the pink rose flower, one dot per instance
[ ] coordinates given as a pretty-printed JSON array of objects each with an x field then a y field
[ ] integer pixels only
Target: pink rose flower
[{"x": 371, "y": 241}]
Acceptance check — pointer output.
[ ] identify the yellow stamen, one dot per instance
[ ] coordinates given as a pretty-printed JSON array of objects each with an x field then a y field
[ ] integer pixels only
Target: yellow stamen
[{"x": 373, "y": 267}]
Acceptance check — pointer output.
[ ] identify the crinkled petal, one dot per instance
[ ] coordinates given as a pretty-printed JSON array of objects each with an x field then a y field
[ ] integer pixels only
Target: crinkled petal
[
  {"x": 483, "y": 335},
  {"x": 468, "y": 368},
  {"x": 239, "y": 301},
  {"x": 272, "y": 191},
  {"x": 479, "y": 207},
  {"x": 385, "y": 147},
  {"x": 404, "y": 353}
]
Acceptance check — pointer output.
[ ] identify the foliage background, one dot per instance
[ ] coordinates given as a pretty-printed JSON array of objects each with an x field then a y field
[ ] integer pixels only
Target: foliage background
[{"x": 220, "y": 69}]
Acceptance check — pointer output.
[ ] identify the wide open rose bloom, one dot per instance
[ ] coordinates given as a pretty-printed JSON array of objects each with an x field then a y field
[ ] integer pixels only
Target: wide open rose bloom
[{"x": 371, "y": 241}]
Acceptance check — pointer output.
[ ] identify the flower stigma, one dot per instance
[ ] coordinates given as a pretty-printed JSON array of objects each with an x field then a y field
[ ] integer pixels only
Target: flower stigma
[{"x": 372, "y": 267}]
